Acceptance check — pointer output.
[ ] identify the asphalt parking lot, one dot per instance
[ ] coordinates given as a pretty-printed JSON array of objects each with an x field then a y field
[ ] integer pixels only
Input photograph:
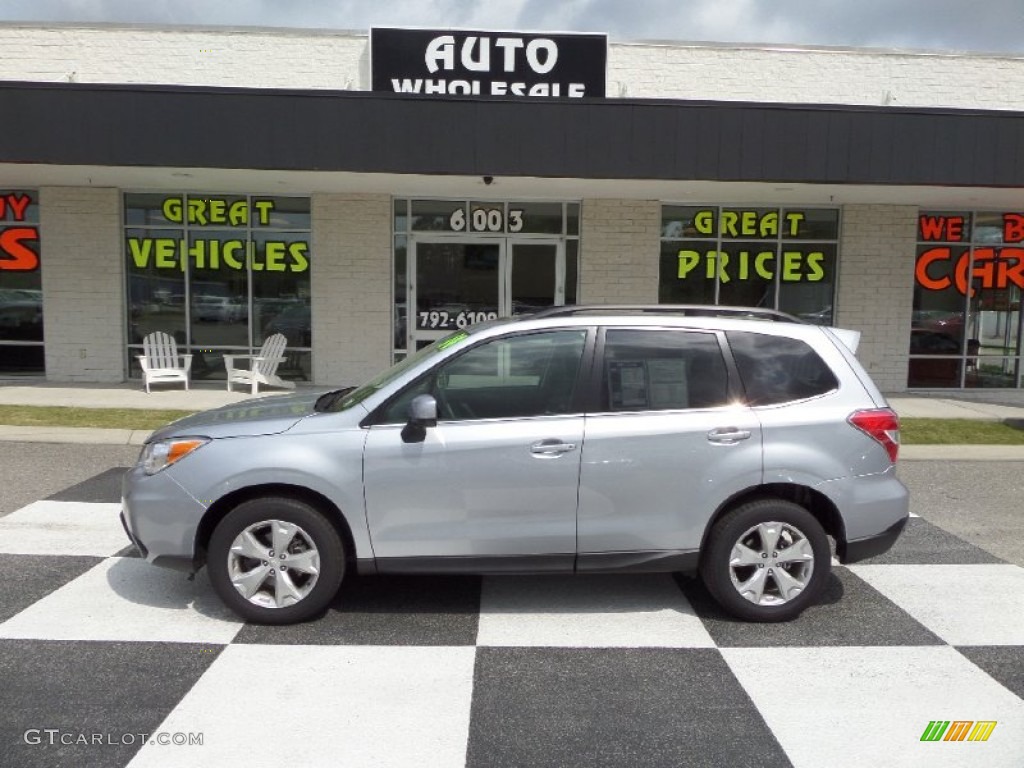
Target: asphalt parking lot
[{"x": 102, "y": 657}]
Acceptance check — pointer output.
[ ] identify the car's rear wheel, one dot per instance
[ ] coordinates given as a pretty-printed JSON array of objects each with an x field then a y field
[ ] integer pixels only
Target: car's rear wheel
[
  {"x": 766, "y": 560},
  {"x": 275, "y": 560}
]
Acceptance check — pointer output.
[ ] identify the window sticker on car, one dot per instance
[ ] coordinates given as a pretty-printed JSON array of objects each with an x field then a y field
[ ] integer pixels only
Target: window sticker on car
[{"x": 452, "y": 340}]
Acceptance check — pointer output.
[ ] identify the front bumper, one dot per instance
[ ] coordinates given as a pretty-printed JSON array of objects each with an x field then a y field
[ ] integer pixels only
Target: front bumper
[{"x": 160, "y": 519}]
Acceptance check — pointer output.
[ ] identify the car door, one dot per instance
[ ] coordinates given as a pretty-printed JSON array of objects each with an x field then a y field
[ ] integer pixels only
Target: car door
[
  {"x": 497, "y": 477},
  {"x": 666, "y": 444}
]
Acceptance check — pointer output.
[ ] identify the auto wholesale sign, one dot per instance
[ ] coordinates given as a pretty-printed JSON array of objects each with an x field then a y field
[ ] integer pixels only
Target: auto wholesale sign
[{"x": 510, "y": 65}]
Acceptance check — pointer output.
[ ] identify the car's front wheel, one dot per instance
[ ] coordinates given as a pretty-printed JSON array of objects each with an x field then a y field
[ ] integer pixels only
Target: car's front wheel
[
  {"x": 766, "y": 560},
  {"x": 275, "y": 560}
]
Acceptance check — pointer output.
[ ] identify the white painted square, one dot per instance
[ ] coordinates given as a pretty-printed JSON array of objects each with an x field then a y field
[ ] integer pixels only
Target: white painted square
[
  {"x": 128, "y": 599},
  {"x": 589, "y": 611},
  {"x": 311, "y": 706},
  {"x": 962, "y": 604},
  {"x": 856, "y": 707},
  {"x": 63, "y": 528}
]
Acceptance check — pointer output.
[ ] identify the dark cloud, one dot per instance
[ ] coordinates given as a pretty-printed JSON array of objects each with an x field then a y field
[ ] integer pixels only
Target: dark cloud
[{"x": 995, "y": 25}]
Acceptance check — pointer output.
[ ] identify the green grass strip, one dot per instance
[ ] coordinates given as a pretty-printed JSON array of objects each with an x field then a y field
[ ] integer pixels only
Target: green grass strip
[
  {"x": 958, "y": 432},
  {"x": 62, "y": 416}
]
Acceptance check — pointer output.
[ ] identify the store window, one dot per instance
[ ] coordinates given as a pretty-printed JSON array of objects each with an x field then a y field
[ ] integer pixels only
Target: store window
[
  {"x": 21, "y": 287},
  {"x": 966, "y": 321},
  {"x": 461, "y": 262},
  {"x": 774, "y": 258},
  {"x": 220, "y": 273}
]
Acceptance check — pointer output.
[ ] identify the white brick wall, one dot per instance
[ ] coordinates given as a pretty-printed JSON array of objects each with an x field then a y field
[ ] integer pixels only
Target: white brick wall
[
  {"x": 876, "y": 281},
  {"x": 83, "y": 283},
  {"x": 350, "y": 273},
  {"x": 278, "y": 58},
  {"x": 619, "y": 245}
]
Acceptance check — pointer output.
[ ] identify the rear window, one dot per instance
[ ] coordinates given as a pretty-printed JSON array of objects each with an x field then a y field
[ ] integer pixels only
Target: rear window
[{"x": 776, "y": 369}]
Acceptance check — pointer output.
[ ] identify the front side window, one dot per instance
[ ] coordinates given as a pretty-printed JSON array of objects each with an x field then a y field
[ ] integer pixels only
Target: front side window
[
  {"x": 511, "y": 377},
  {"x": 776, "y": 369},
  {"x": 656, "y": 370}
]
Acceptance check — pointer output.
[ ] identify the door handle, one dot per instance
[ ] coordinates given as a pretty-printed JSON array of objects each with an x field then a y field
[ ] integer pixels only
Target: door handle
[
  {"x": 551, "y": 448},
  {"x": 728, "y": 435}
]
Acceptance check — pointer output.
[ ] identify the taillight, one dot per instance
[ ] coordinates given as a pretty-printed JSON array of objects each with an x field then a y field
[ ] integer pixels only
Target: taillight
[{"x": 881, "y": 424}]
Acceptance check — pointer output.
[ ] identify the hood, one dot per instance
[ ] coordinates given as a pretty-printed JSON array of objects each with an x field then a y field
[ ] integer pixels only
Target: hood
[{"x": 259, "y": 416}]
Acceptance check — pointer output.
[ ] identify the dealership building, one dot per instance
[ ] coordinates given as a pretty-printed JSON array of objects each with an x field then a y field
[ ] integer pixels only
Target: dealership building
[{"x": 365, "y": 193}]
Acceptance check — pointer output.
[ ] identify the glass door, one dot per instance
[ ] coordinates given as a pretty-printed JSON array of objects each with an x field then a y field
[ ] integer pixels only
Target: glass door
[
  {"x": 535, "y": 276},
  {"x": 453, "y": 283},
  {"x": 457, "y": 282}
]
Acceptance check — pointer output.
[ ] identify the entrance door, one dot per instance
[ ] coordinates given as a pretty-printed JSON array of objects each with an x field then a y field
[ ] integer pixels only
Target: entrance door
[{"x": 456, "y": 282}]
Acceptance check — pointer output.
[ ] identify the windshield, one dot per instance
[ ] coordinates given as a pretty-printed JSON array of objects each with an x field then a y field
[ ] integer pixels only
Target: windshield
[{"x": 390, "y": 374}]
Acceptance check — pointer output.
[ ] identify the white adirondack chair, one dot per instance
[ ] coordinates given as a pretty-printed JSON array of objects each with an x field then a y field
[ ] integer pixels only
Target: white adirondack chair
[
  {"x": 262, "y": 366},
  {"x": 160, "y": 360}
]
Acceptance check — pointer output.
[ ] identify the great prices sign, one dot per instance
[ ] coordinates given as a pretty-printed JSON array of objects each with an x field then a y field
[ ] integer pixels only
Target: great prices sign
[
  {"x": 947, "y": 265},
  {"x": 19, "y": 239}
]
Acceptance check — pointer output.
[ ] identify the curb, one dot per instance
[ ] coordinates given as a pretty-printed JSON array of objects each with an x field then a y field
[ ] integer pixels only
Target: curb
[{"x": 80, "y": 435}]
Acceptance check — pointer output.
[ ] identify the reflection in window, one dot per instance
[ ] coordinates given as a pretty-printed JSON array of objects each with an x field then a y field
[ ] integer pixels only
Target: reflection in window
[{"x": 21, "y": 294}]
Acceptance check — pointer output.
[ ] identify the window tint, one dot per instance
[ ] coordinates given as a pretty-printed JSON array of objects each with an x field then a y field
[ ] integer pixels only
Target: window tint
[
  {"x": 663, "y": 370},
  {"x": 775, "y": 369},
  {"x": 514, "y": 377}
]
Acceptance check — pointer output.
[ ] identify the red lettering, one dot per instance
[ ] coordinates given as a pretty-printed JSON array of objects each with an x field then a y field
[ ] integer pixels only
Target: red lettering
[
  {"x": 18, "y": 205},
  {"x": 924, "y": 261},
  {"x": 1010, "y": 268},
  {"x": 15, "y": 255},
  {"x": 1013, "y": 227},
  {"x": 950, "y": 229}
]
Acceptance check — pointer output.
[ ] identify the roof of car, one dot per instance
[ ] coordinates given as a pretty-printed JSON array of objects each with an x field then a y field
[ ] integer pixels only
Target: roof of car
[{"x": 669, "y": 310}]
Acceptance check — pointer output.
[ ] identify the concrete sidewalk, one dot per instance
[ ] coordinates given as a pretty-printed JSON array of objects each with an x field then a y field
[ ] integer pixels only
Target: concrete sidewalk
[{"x": 212, "y": 395}]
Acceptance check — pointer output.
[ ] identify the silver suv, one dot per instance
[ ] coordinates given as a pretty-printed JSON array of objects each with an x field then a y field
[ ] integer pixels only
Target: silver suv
[{"x": 727, "y": 442}]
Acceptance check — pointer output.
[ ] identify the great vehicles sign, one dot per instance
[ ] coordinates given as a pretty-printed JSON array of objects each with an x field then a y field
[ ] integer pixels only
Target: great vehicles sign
[{"x": 510, "y": 65}]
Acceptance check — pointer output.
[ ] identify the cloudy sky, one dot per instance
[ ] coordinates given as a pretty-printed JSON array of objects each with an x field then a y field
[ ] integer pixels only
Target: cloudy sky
[{"x": 950, "y": 25}]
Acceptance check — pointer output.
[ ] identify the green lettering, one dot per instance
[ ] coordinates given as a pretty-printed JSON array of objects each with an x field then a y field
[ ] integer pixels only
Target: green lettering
[
  {"x": 197, "y": 252},
  {"x": 275, "y": 256},
  {"x": 167, "y": 253},
  {"x": 263, "y": 208},
  {"x": 793, "y": 219},
  {"x": 744, "y": 264},
  {"x": 140, "y": 248},
  {"x": 298, "y": 253},
  {"x": 791, "y": 266},
  {"x": 704, "y": 222},
  {"x": 748, "y": 222},
  {"x": 729, "y": 219},
  {"x": 218, "y": 211},
  {"x": 196, "y": 211},
  {"x": 723, "y": 262},
  {"x": 172, "y": 209},
  {"x": 687, "y": 261},
  {"x": 228, "y": 251},
  {"x": 770, "y": 224},
  {"x": 814, "y": 262},
  {"x": 239, "y": 213},
  {"x": 759, "y": 264}
]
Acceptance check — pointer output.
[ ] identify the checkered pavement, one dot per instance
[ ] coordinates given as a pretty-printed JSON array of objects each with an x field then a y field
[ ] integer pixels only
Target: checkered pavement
[{"x": 97, "y": 648}]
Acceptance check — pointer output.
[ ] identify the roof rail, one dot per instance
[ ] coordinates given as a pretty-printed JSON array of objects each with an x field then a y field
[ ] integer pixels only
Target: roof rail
[{"x": 693, "y": 310}]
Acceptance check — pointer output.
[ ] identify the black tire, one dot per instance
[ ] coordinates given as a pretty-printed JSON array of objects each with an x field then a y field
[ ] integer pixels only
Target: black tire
[
  {"x": 737, "y": 525},
  {"x": 314, "y": 529}
]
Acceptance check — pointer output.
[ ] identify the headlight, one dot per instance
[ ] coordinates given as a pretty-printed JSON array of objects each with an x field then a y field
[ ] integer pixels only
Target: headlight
[{"x": 162, "y": 454}]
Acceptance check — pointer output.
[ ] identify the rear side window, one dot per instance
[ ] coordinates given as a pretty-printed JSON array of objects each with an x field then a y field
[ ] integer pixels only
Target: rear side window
[
  {"x": 775, "y": 369},
  {"x": 653, "y": 370}
]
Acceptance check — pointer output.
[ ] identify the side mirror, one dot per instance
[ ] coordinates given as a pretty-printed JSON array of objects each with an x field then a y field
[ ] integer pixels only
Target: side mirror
[{"x": 422, "y": 414}]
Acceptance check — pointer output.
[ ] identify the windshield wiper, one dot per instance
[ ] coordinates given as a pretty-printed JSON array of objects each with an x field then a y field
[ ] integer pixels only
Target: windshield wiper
[{"x": 328, "y": 399}]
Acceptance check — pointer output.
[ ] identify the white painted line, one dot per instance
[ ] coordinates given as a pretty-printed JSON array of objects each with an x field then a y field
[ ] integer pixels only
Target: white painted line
[
  {"x": 598, "y": 611},
  {"x": 331, "y": 706},
  {"x": 856, "y": 707},
  {"x": 63, "y": 528},
  {"x": 128, "y": 599},
  {"x": 962, "y": 604}
]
